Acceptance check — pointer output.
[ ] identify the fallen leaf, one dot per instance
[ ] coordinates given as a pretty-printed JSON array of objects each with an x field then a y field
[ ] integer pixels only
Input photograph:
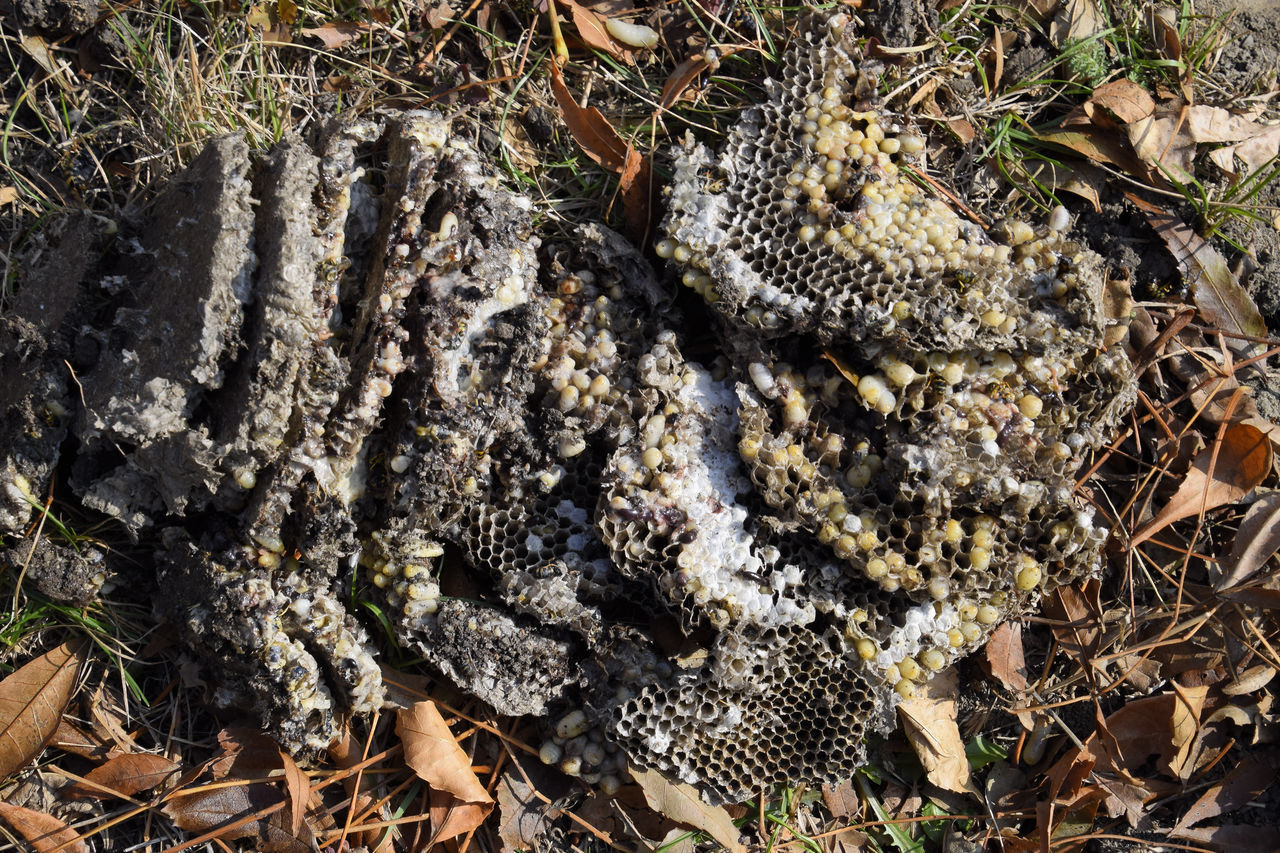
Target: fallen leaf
[
  {"x": 1162, "y": 23},
  {"x": 681, "y": 803},
  {"x": 45, "y": 832},
  {"x": 337, "y": 33},
  {"x": 845, "y": 841},
  {"x": 1077, "y": 19},
  {"x": 1257, "y": 539},
  {"x": 1076, "y": 177},
  {"x": 590, "y": 129},
  {"x": 126, "y": 775},
  {"x": 1240, "y": 461},
  {"x": 77, "y": 741},
  {"x": 592, "y": 31},
  {"x": 1255, "y": 143},
  {"x": 681, "y": 78},
  {"x": 38, "y": 49},
  {"x": 433, "y": 754},
  {"x": 1078, "y": 613},
  {"x": 930, "y": 725},
  {"x": 1253, "y": 678},
  {"x": 1246, "y": 781},
  {"x": 1222, "y": 301},
  {"x": 522, "y": 817},
  {"x": 599, "y": 141},
  {"x": 451, "y": 817},
  {"x": 230, "y": 809},
  {"x": 1124, "y": 99},
  {"x": 1004, "y": 655},
  {"x": 8, "y": 195},
  {"x": 1256, "y": 152},
  {"x": 438, "y": 16},
  {"x": 842, "y": 800},
  {"x": 248, "y": 753},
  {"x": 32, "y": 700},
  {"x": 677, "y": 840},
  {"x": 1186, "y": 725},
  {"x": 1235, "y": 837},
  {"x": 1159, "y": 140},
  {"x": 962, "y": 129},
  {"x": 1101, "y": 145},
  {"x": 267, "y": 20}
]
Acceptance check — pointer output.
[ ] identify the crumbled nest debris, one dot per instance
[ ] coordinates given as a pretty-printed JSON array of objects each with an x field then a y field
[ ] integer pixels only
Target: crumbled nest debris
[{"x": 353, "y": 354}]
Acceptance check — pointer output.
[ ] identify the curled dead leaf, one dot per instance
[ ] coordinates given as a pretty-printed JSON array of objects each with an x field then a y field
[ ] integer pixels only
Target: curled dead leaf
[
  {"x": 336, "y": 33},
  {"x": 682, "y": 804},
  {"x": 1222, "y": 473},
  {"x": 1222, "y": 300},
  {"x": 252, "y": 810},
  {"x": 46, "y": 833},
  {"x": 1257, "y": 539},
  {"x": 1005, "y": 658},
  {"x": 433, "y": 754},
  {"x": 125, "y": 775},
  {"x": 599, "y": 141},
  {"x": 930, "y": 725},
  {"x": 32, "y": 700}
]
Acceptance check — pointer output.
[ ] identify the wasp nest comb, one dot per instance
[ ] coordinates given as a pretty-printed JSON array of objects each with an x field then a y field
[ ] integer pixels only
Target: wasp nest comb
[{"x": 354, "y": 359}]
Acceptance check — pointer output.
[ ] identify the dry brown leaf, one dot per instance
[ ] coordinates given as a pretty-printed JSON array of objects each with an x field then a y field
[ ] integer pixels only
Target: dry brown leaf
[
  {"x": 845, "y": 841},
  {"x": 1256, "y": 541},
  {"x": 1079, "y": 611},
  {"x": 1240, "y": 461},
  {"x": 1255, "y": 152},
  {"x": 681, "y": 803},
  {"x": 1222, "y": 301},
  {"x": 590, "y": 129},
  {"x": 1255, "y": 773},
  {"x": 269, "y": 22},
  {"x": 451, "y": 817},
  {"x": 1101, "y": 145},
  {"x": 228, "y": 808},
  {"x": 522, "y": 817},
  {"x": 842, "y": 800},
  {"x": 8, "y": 195},
  {"x": 32, "y": 700},
  {"x": 592, "y": 31},
  {"x": 336, "y": 33},
  {"x": 1004, "y": 655},
  {"x": 1254, "y": 143},
  {"x": 126, "y": 775},
  {"x": 77, "y": 741},
  {"x": 1123, "y": 98},
  {"x": 1077, "y": 177},
  {"x": 930, "y": 726},
  {"x": 1236, "y": 838},
  {"x": 433, "y": 754},
  {"x": 1253, "y": 678},
  {"x": 248, "y": 753},
  {"x": 962, "y": 129},
  {"x": 45, "y": 832},
  {"x": 681, "y": 78},
  {"x": 298, "y": 786},
  {"x": 599, "y": 141},
  {"x": 1160, "y": 140},
  {"x": 1186, "y": 726},
  {"x": 1077, "y": 19}
]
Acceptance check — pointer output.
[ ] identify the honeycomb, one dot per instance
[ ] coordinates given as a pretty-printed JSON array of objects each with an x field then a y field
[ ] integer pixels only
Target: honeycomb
[{"x": 722, "y": 541}]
